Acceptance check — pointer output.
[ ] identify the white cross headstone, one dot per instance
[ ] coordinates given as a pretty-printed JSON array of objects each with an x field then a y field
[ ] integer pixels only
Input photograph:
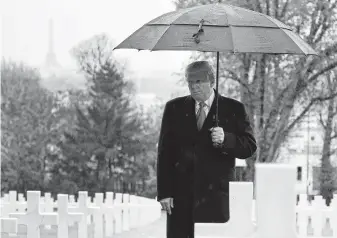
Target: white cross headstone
[
  {"x": 333, "y": 220},
  {"x": 5, "y": 198},
  {"x": 104, "y": 211},
  {"x": 13, "y": 200},
  {"x": 33, "y": 218},
  {"x": 143, "y": 212},
  {"x": 66, "y": 218},
  {"x": 118, "y": 213},
  {"x": 21, "y": 204},
  {"x": 86, "y": 209},
  {"x": 276, "y": 200},
  {"x": 317, "y": 218},
  {"x": 49, "y": 202},
  {"x": 72, "y": 201},
  {"x": 9, "y": 205},
  {"x": 240, "y": 223},
  {"x": 21, "y": 197},
  {"x": 98, "y": 215},
  {"x": 109, "y": 219},
  {"x": 89, "y": 201},
  {"x": 126, "y": 212},
  {"x": 48, "y": 205},
  {"x": 8, "y": 225},
  {"x": 134, "y": 211},
  {"x": 303, "y": 211}
]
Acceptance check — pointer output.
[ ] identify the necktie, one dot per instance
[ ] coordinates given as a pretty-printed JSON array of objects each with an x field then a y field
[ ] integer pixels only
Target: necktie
[{"x": 201, "y": 116}]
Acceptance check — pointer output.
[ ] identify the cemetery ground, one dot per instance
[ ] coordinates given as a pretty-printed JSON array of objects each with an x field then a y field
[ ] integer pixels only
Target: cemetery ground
[{"x": 155, "y": 230}]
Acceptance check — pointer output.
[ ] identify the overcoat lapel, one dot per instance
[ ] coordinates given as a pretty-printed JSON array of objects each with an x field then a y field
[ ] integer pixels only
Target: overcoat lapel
[{"x": 190, "y": 113}]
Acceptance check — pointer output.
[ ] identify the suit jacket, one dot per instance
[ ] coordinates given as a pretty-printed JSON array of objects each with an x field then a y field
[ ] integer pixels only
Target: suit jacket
[{"x": 188, "y": 164}]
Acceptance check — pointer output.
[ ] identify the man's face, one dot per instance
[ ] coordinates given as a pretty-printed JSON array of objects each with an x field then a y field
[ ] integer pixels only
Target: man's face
[{"x": 199, "y": 85}]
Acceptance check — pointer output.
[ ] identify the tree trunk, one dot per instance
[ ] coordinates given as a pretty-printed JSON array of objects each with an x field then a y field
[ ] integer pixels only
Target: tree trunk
[
  {"x": 326, "y": 174},
  {"x": 250, "y": 108}
]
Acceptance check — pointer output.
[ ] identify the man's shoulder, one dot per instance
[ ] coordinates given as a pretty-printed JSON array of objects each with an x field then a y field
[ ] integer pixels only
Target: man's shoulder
[
  {"x": 233, "y": 102},
  {"x": 177, "y": 101}
]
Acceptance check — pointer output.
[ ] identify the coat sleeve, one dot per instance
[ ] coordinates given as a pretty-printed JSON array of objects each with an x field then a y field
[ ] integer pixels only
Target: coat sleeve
[
  {"x": 242, "y": 144},
  {"x": 164, "y": 160}
]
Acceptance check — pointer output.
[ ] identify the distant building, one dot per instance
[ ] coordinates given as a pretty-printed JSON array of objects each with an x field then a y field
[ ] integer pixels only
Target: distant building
[
  {"x": 304, "y": 150},
  {"x": 146, "y": 96},
  {"x": 56, "y": 77},
  {"x": 51, "y": 60},
  {"x": 147, "y": 103}
]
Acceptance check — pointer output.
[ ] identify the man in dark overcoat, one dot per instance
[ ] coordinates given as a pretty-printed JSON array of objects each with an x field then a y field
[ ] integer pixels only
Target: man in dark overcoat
[{"x": 196, "y": 160}]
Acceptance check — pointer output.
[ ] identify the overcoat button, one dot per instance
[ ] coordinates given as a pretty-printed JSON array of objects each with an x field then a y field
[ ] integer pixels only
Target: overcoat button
[{"x": 197, "y": 203}]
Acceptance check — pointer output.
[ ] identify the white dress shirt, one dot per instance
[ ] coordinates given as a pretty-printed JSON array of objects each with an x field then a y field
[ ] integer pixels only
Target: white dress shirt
[{"x": 208, "y": 102}]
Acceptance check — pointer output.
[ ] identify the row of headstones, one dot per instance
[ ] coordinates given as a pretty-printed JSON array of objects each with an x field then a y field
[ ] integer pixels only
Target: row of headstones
[
  {"x": 274, "y": 213},
  {"x": 13, "y": 202},
  {"x": 108, "y": 217},
  {"x": 316, "y": 217}
]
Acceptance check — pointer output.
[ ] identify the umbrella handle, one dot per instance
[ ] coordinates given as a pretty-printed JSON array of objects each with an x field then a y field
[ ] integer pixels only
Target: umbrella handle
[
  {"x": 217, "y": 90},
  {"x": 200, "y": 31}
]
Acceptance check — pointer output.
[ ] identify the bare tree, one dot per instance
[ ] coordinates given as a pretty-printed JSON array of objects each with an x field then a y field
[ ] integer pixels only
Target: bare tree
[{"x": 329, "y": 122}]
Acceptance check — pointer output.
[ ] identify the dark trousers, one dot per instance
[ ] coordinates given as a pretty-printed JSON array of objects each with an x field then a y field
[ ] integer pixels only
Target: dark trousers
[{"x": 180, "y": 223}]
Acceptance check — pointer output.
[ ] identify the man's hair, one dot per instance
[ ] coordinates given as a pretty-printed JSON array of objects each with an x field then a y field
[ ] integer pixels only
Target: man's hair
[{"x": 201, "y": 66}]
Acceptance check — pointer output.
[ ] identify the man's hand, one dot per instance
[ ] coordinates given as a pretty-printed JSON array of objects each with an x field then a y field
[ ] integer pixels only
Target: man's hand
[
  {"x": 218, "y": 135},
  {"x": 166, "y": 204}
]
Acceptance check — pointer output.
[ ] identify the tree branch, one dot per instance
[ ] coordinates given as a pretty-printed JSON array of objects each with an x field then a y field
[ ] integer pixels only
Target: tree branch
[
  {"x": 334, "y": 136},
  {"x": 322, "y": 71},
  {"x": 325, "y": 23},
  {"x": 276, "y": 105},
  {"x": 324, "y": 26},
  {"x": 268, "y": 7},
  {"x": 322, "y": 121},
  {"x": 236, "y": 78},
  {"x": 284, "y": 9},
  {"x": 257, "y": 5},
  {"x": 332, "y": 49},
  {"x": 306, "y": 109},
  {"x": 276, "y": 7},
  {"x": 314, "y": 26}
]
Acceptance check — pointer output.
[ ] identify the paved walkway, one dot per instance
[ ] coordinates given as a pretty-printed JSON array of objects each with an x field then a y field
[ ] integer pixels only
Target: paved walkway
[{"x": 155, "y": 230}]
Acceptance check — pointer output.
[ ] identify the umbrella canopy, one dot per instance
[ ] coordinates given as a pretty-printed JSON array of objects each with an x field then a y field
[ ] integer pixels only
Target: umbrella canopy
[{"x": 217, "y": 28}]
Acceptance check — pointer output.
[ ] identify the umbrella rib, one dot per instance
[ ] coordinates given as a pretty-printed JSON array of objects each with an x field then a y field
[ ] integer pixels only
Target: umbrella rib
[
  {"x": 304, "y": 48},
  {"x": 160, "y": 37},
  {"x": 278, "y": 23},
  {"x": 208, "y": 25},
  {"x": 172, "y": 23},
  {"x": 232, "y": 37},
  {"x": 168, "y": 26},
  {"x": 231, "y": 32}
]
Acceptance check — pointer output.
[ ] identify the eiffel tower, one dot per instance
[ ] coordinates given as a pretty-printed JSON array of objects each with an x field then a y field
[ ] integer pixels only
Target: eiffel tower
[{"x": 51, "y": 61}]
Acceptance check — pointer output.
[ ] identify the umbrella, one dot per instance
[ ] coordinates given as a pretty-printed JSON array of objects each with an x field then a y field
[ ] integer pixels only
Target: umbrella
[{"x": 217, "y": 28}]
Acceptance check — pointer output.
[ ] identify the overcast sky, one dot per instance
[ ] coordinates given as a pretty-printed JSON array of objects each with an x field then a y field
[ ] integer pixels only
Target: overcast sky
[{"x": 25, "y": 30}]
